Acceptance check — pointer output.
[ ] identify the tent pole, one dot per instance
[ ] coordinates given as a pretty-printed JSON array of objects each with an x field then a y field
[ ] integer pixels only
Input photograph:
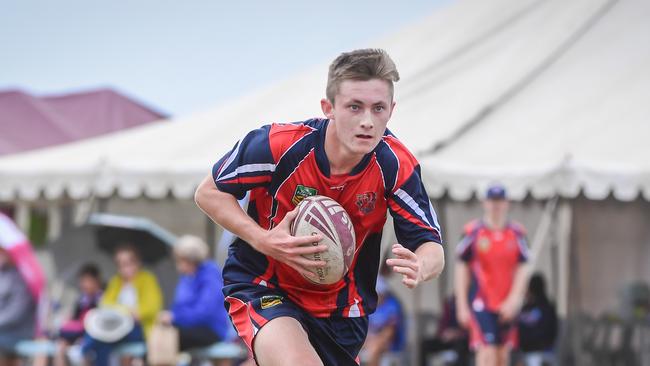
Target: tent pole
[
  {"x": 54, "y": 220},
  {"x": 564, "y": 217},
  {"x": 541, "y": 233},
  {"x": 23, "y": 216},
  {"x": 443, "y": 279}
]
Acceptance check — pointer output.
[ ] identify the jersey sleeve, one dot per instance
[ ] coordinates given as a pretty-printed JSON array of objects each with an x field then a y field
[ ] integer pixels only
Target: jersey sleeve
[
  {"x": 248, "y": 165},
  {"x": 465, "y": 248},
  {"x": 414, "y": 218},
  {"x": 522, "y": 244}
]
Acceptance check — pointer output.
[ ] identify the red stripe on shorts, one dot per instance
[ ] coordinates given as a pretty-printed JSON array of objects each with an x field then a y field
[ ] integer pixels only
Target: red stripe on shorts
[{"x": 238, "y": 311}]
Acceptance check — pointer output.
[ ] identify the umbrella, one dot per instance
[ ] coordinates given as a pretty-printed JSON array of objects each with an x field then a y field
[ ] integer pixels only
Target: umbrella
[
  {"x": 151, "y": 240},
  {"x": 20, "y": 250},
  {"x": 81, "y": 244}
]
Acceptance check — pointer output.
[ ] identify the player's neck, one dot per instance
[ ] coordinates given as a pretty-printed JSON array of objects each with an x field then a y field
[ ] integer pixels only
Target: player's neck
[
  {"x": 495, "y": 223},
  {"x": 341, "y": 160}
]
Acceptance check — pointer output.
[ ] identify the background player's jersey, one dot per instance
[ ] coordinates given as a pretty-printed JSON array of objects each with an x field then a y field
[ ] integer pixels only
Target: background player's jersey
[
  {"x": 492, "y": 257},
  {"x": 283, "y": 163}
]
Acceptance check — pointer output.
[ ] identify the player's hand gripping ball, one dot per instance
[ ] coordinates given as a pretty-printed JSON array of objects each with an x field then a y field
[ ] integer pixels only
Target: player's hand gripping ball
[{"x": 322, "y": 215}]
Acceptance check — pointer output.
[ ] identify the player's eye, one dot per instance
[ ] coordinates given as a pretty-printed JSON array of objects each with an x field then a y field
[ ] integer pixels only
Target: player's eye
[
  {"x": 354, "y": 107},
  {"x": 379, "y": 108}
]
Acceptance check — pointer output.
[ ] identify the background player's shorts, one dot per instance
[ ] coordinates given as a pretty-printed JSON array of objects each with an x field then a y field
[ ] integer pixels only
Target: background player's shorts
[
  {"x": 336, "y": 340},
  {"x": 486, "y": 329}
]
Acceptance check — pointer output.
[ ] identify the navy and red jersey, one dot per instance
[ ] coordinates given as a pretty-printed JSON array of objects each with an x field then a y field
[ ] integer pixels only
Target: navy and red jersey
[
  {"x": 493, "y": 257},
  {"x": 280, "y": 164}
]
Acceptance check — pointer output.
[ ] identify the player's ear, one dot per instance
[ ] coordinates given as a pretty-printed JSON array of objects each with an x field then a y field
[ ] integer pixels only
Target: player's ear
[{"x": 327, "y": 107}]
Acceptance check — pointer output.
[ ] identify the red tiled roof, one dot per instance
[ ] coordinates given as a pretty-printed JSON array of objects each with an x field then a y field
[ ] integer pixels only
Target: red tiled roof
[{"x": 29, "y": 122}]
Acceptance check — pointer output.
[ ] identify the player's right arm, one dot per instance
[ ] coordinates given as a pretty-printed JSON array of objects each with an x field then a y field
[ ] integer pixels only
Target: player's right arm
[
  {"x": 462, "y": 276},
  {"x": 461, "y": 289},
  {"x": 248, "y": 165},
  {"x": 224, "y": 209}
]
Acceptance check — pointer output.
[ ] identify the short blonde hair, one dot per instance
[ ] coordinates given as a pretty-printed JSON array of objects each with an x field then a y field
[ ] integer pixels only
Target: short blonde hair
[
  {"x": 191, "y": 248},
  {"x": 364, "y": 64}
]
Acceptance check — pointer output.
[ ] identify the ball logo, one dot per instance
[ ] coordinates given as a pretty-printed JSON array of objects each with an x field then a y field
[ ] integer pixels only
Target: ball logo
[
  {"x": 350, "y": 251},
  {"x": 328, "y": 218}
]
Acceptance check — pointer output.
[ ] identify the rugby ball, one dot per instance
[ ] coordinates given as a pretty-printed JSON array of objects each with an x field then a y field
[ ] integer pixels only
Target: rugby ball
[{"x": 322, "y": 215}]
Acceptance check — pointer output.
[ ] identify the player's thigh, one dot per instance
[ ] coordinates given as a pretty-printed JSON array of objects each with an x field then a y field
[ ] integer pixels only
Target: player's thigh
[
  {"x": 283, "y": 341},
  {"x": 487, "y": 355}
]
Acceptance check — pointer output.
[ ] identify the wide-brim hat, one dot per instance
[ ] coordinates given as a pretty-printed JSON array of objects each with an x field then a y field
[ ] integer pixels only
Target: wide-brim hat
[{"x": 108, "y": 324}]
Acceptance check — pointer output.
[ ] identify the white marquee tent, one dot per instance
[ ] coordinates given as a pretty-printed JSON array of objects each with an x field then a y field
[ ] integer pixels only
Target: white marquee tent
[
  {"x": 452, "y": 64},
  {"x": 580, "y": 123}
]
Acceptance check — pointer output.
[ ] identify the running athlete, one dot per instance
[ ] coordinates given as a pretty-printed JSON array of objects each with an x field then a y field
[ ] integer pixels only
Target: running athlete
[
  {"x": 350, "y": 156},
  {"x": 491, "y": 280}
]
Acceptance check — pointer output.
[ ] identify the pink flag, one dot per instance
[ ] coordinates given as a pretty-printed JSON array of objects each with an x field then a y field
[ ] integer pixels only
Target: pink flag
[{"x": 20, "y": 250}]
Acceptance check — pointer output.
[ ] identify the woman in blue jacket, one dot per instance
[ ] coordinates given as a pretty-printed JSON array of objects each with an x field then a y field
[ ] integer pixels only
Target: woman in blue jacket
[{"x": 197, "y": 310}]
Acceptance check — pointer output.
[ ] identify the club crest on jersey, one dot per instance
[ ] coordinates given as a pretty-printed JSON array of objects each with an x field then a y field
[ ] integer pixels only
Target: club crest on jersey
[
  {"x": 366, "y": 202},
  {"x": 301, "y": 193},
  {"x": 270, "y": 301},
  {"x": 483, "y": 244}
]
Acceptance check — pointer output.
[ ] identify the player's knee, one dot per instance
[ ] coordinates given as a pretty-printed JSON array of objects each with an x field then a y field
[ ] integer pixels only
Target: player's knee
[{"x": 487, "y": 356}]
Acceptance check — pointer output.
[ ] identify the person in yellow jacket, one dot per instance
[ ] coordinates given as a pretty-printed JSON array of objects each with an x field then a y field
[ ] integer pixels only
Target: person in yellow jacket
[{"x": 135, "y": 290}]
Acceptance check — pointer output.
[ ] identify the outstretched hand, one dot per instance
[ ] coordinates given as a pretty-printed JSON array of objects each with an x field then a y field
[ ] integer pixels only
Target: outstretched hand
[
  {"x": 407, "y": 264},
  {"x": 279, "y": 244}
]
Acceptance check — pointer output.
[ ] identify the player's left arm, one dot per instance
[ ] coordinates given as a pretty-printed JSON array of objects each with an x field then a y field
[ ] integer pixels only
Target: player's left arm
[
  {"x": 513, "y": 302},
  {"x": 419, "y": 256}
]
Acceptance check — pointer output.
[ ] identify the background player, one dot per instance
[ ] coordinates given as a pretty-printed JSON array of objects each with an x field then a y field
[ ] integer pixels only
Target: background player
[
  {"x": 351, "y": 157},
  {"x": 491, "y": 280}
]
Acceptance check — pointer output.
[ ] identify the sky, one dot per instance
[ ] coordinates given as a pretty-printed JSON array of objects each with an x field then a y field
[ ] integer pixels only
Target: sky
[{"x": 183, "y": 56}]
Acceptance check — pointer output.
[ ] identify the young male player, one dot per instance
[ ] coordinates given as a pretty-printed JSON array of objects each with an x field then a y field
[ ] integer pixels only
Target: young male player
[
  {"x": 491, "y": 280},
  {"x": 350, "y": 156}
]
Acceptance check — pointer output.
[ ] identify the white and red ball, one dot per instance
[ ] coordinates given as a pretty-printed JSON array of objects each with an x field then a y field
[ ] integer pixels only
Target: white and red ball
[{"x": 322, "y": 215}]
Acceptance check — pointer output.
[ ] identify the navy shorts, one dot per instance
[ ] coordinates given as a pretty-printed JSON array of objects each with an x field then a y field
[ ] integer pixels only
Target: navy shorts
[
  {"x": 336, "y": 340},
  {"x": 487, "y": 329}
]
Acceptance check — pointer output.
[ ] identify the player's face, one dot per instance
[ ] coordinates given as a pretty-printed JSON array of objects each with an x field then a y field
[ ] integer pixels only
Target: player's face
[
  {"x": 497, "y": 209},
  {"x": 360, "y": 114}
]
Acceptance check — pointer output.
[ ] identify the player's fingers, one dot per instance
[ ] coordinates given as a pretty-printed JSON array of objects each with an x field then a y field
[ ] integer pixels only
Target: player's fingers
[
  {"x": 402, "y": 252},
  {"x": 288, "y": 218},
  {"x": 309, "y": 263},
  {"x": 402, "y": 263},
  {"x": 307, "y": 249},
  {"x": 409, "y": 272},
  {"x": 409, "y": 282},
  {"x": 307, "y": 239}
]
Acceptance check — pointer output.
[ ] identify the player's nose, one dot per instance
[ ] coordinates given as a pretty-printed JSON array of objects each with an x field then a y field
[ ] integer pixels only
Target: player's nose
[{"x": 366, "y": 121}]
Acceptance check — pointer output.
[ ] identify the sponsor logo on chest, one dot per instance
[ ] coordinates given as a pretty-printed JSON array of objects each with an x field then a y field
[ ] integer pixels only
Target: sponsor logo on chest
[{"x": 301, "y": 193}]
